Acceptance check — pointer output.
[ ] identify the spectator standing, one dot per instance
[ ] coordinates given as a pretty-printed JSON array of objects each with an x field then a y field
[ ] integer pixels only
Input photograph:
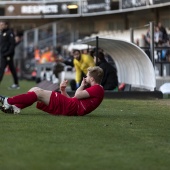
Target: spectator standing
[
  {"x": 110, "y": 79},
  {"x": 164, "y": 32},
  {"x": 158, "y": 36},
  {"x": 19, "y": 54},
  {"x": 7, "y": 48},
  {"x": 81, "y": 63}
]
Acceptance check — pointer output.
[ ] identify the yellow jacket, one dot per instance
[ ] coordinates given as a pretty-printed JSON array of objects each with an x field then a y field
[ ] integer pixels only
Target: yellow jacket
[{"x": 82, "y": 65}]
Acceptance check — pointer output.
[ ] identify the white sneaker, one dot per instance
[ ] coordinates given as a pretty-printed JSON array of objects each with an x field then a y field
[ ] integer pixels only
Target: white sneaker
[
  {"x": 13, "y": 87},
  {"x": 6, "y": 105},
  {"x": 16, "y": 110},
  {"x": 11, "y": 110}
]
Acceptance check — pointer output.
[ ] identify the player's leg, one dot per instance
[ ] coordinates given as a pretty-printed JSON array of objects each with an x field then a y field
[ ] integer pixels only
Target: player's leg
[
  {"x": 3, "y": 64},
  {"x": 42, "y": 95},
  {"x": 14, "y": 73},
  {"x": 16, "y": 103},
  {"x": 33, "y": 95},
  {"x": 24, "y": 100}
]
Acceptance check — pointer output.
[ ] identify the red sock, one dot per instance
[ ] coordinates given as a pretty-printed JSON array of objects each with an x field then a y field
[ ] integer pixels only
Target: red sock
[
  {"x": 23, "y": 99},
  {"x": 21, "y": 106}
]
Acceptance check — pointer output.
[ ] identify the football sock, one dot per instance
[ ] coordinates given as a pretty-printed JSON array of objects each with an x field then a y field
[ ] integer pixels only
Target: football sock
[
  {"x": 21, "y": 106},
  {"x": 23, "y": 100}
]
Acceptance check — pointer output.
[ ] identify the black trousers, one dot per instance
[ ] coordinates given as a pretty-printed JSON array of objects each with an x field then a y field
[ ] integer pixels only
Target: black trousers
[{"x": 4, "y": 62}]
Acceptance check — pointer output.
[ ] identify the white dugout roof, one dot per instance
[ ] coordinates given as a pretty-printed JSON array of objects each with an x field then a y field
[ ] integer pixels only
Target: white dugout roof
[{"x": 133, "y": 65}]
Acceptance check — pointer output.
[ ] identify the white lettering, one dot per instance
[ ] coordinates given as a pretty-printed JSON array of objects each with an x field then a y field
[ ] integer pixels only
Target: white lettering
[
  {"x": 36, "y": 9},
  {"x": 96, "y": 6}
]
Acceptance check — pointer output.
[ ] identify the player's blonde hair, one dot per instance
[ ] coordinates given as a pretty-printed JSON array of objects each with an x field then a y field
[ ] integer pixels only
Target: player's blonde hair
[{"x": 96, "y": 72}]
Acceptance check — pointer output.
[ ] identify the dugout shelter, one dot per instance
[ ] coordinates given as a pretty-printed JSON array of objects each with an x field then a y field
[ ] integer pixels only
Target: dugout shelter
[{"x": 133, "y": 65}]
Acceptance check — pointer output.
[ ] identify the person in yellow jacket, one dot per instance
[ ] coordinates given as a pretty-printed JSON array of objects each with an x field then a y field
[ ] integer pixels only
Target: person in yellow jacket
[{"x": 81, "y": 62}]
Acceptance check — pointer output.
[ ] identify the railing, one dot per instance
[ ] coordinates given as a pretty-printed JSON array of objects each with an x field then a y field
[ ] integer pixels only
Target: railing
[
  {"x": 160, "y": 56},
  {"x": 50, "y": 35}
]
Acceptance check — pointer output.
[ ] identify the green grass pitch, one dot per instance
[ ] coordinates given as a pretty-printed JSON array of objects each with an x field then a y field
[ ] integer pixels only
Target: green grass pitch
[{"x": 119, "y": 135}]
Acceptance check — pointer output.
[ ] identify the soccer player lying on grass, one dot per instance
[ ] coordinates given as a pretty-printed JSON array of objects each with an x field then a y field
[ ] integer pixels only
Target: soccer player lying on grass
[{"x": 87, "y": 97}]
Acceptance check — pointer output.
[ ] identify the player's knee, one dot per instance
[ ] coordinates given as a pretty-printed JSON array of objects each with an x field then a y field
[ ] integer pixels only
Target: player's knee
[
  {"x": 38, "y": 91},
  {"x": 35, "y": 89}
]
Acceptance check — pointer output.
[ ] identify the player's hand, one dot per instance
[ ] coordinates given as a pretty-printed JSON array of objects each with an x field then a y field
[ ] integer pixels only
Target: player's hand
[
  {"x": 63, "y": 85},
  {"x": 83, "y": 83}
]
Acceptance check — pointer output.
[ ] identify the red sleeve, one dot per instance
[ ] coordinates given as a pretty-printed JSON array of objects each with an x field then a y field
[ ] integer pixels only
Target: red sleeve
[{"x": 95, "y": 91}]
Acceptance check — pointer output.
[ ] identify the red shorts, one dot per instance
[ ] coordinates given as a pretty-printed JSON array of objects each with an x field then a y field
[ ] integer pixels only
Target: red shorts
[{"x": 59, "y": 105}]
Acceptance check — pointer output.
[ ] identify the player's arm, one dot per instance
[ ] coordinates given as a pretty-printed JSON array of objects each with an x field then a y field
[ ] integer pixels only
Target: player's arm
[
  {"x": 91, "y": 61},
  {"x": 78, "y": 72},
  {"x": 81, "y": 93},
  {"x": 63, "y": 86}
]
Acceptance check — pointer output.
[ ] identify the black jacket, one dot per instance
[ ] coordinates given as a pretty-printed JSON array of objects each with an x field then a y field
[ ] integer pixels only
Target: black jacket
[
  {"x": 7, "y": 43},
  {"x": 110, "y": 79}
]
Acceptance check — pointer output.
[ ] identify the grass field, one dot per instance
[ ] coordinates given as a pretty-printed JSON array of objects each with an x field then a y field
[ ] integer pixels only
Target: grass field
[{"x": 119, "y": 135}]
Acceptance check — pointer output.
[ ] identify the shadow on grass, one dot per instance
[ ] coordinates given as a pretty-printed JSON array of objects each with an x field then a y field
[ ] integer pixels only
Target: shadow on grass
[
  {"x": 83, "y": 117},
  {"x": 35, "y": 114}
]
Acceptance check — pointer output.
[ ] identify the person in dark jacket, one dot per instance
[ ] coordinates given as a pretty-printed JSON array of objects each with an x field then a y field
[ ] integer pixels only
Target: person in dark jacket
[
  {"x": 19, "y": 54},
  {"x": 110, "y": 79},
  {"x": 7, "y": 47},
  {"x": 164, "y": 32}
]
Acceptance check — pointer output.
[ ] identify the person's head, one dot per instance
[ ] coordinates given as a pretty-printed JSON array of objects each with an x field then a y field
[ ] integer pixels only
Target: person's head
[
  {"x": 18, "y": 37},
  {"x": 159, "y": 24},
  {"x": 100, "y": 56},
  {"x": 77, "y": 54},
  {"x": 156, "y": 29},
  {"x": 94, "y": 75},
  {"x": 85, "y": 51},
  {"x": 19, "y": 33},
  {"x": 3, "y": 25}
]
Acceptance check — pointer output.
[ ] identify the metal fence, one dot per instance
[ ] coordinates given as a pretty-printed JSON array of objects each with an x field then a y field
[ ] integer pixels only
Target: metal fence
[
  {"x": 50, "y": 35},
  {"x": 159, "y": 54}
]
